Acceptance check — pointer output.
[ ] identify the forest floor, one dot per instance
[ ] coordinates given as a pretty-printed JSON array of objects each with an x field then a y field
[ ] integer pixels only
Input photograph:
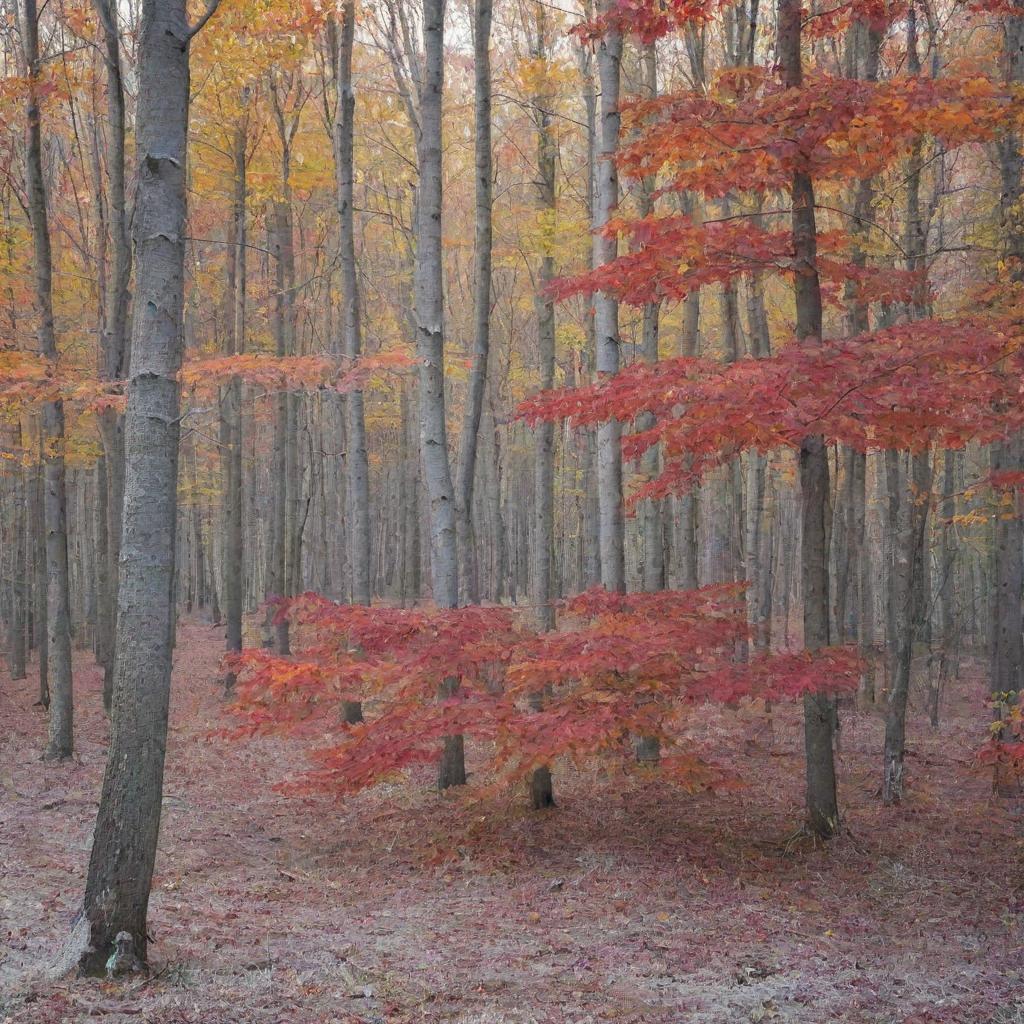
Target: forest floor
[{"x": 629, "y": 902}]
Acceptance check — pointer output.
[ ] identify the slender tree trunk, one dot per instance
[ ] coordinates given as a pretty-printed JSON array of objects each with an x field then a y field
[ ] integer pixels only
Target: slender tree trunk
[
  {"x": 651, "y": 512},
  {"x": 544, "y": 433},
  {"x": 910, "y": 601},
  {"x": 41, "y": 631},
  {"x": 234, "y": 545},
  {"x": 822, "y": 805},
  {"x": 1007, "y": 615},
  {"x": 58, "y": 605},
  {"x": 590, "y": 521},
  {"x": 19, "y": 566},
  {"x": 127, "y": 826},
  {"x": 466, "y": 467},
  {"x": 429, "y": 310},
  {"x": 114, "y": 344},
  {"x": 606, "y": 312},
  {"x": 358, "y": 490}
]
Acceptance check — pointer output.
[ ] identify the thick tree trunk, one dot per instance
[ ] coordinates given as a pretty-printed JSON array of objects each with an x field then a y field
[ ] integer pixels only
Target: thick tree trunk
[
  {"x": 127, "y": 826},
  {"x": 58, "y": 605},
  {"x": 822, "y": 805}
]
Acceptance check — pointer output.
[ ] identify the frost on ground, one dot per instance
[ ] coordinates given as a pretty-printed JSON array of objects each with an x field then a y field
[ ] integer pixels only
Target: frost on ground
[{"x": 630, "y": 902}]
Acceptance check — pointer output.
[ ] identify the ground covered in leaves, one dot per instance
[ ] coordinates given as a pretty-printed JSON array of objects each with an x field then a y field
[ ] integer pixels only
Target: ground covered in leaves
[{"x": 630, "y": 902}]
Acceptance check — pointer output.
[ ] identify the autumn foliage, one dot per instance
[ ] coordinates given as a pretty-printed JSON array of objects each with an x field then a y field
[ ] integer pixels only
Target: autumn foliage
[
  {"x": 911, "y": 385},
  {"x": 619, "y": 666}
]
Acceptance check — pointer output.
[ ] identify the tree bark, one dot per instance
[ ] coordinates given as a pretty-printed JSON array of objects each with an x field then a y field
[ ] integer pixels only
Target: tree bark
[
  {"x": 58, "y": 605},
  {"x": 429, "y": 311},
  {"x": 544, "y": 433},
  {"x": 1007, "y": 649},
  {"x": 128, "y": 822},
  {"x": 357, "y": 462},
  {"x": 234, "y": 544},
  {"x": 466, "y": 467},
  {"x": 822, "y": 804},
  {"x": 114, "y": 340},
  {"x": 611, "y": 522}
]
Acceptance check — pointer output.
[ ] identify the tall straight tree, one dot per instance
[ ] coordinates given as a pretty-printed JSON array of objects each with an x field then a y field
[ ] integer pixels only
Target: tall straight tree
[
  {"x": 231, "y": 412},
  {"x": 652, "y": 518},
  {"x": 1007, "y": 654},
  {"x": 484, "y": 168},
  {"x": 114, "y": 342},
  {"x": 611, "y": 531},
  {"x": 544, "y": 433},
  {"x": 358, "y": 492},
  {"x": 128, "y": 822},
  {"x": 822, "y": 806},
  {"x": 58, "y": 609},
  {"x": 357, "y": 463},
  {"x": 429, "y": 312}
]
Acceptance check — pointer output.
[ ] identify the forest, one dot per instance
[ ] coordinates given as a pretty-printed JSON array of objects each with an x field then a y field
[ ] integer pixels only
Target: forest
[{"x": 512, "y": 511}]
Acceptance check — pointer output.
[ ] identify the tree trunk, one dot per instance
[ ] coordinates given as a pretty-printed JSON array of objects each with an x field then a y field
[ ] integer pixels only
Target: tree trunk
[
  {"x": 58, "y": 605},
  {"x": 1007, "y": 652},
  {"x": 114, "y": 341},
  {"x": 544, "y": 433},
  {"x": 466, "y": 468},
  {"x": 611, "y": 523},
  {"x": 822, "y": 805},
  {"x": 128, "y": 822},
  {"x": 429, "y": 310},
  {"x": 357, "y": 463},
  {"x": 234, "y": 545}
]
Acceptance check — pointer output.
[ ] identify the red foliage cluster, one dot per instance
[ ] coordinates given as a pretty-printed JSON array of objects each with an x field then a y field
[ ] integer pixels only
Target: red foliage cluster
[
  {"x": 750, "y": 132},
  {"x": 1004, "y": 750},
  {"x": 901, "y": 388},
  {"x": 27, "y": 380},
  {"x": 646, "y": 20},
  {"x": 620, "y": 665},
  {"x": 672, "y": 255},
  {"x": 649, "y": 20}
]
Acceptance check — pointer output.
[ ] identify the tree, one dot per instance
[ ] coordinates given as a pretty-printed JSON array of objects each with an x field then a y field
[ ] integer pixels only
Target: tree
[
  {"x": 483, "y": 244},
  {"x": 115, "y": 333},
  {"x": 822, "y": 806},
  {"x": 606, "y": 308},
  {"x": 620, "y": 665},
  {"x": 358, "y": 468},
  {"x": 128, "y": 821},
  {"x": 58, "y": 610}
]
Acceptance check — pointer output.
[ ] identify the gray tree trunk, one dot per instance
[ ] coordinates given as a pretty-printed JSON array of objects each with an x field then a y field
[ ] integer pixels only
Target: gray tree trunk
[
  {"x": 544, "y": 433},
  {"x": 1007, "y": 649},
  {"x": 429, "y": 311},
  {"x": 358, "y": 492},
  {"x": 611, "y": 527},
  {"x": 234, "y": 545},
  {"x": 128, "y": 822},
  {"x": 58, "y": 606},
  {"x": 114, "y": 341},
  {"x": 651, "y": 512},
  {"x": 822, "y": 805},
  {"x": 484, "y": 169}
]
